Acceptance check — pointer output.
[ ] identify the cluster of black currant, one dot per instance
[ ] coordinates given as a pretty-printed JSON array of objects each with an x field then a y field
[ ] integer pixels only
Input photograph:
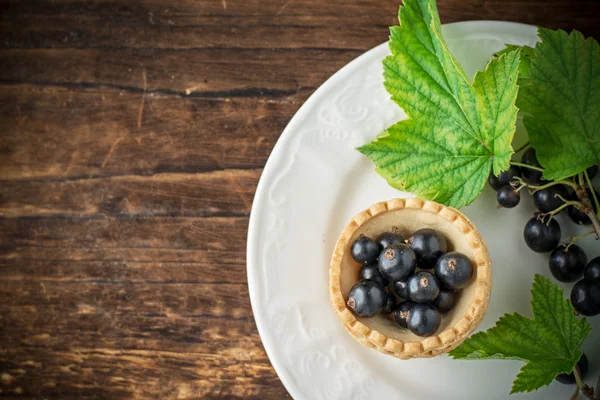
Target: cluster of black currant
[
  {"x": 420, "y": 296},
  {"x": 542, "y": 232}
]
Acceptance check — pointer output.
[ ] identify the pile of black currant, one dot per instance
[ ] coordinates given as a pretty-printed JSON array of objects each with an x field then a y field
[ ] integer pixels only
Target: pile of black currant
[
  {"x": 542, "y": 232},
  {"x": 394, "y": 279}
]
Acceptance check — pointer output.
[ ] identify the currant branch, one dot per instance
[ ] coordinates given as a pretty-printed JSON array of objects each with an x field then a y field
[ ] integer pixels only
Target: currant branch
[
  {"x": 596, "y": 224},
  {"x": 592, "y": 191},
  {"x": 585, "y": 389},
  {"x": 586, "y": 203}
]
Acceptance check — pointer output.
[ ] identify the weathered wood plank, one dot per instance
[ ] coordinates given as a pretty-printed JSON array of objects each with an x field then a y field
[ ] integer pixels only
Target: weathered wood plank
[
  {"x": 171, "y": 233},
  {"x": 56, "y": 272},
  {"x": 129, "y": 250},
  {"x": 227, "y": 192},
  {"x": 184, "y": 24},
  {"x": 354, "y": 24},
  {"x": 107, "y": 329},
  {"x": 203, "y": 72},
  {"x": 53, "y": 133},
  {"x": 41, "y": 372},
  {"x": 229, "y": 301}
]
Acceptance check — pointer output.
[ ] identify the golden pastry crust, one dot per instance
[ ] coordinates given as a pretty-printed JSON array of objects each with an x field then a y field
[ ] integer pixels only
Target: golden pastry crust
[{"x": 406, "y": 216}]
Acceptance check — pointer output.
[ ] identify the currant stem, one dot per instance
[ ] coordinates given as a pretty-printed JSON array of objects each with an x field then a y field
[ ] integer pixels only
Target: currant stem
[
  {"x": 518, "y": 164},
  {"x": 522, "y": 147},
  {"x": 547, "y": 185},
  {"x": 570, "y": 241},
  {"x": 559, "y": 209},
  {"x": 586, "y": 204},
  {"x": 577, "y": 374},
  {"x": 575, "y": 395},
  {"x": 585, "y": 389}
]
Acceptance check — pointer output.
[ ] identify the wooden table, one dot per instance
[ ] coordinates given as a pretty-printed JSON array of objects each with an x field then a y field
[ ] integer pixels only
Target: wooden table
[{"x": 132, "y": 137}]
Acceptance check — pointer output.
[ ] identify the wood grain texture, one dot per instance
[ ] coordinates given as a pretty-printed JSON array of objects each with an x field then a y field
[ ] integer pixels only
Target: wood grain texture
[
  {"x": 132, "y": 138},
  {"x": 107, "y": 134}
]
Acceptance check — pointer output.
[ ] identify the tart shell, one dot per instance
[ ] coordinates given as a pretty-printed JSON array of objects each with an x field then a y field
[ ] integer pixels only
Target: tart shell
[{"x": 405, "y": 216}]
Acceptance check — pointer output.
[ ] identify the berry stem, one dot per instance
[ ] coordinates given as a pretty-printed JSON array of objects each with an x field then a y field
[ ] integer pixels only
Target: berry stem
[
  {"x": 535, "y": 188},
  {"x": 559, "y": 209},
  {"x": 569, "y": 241},
  {"x": 585, "y": 389},
  {"x": 580, "y": 177},
  {"x": 522, "y": 147},
  {"x": 575, "y": 395},
  {"x": 518, "y": 164}
]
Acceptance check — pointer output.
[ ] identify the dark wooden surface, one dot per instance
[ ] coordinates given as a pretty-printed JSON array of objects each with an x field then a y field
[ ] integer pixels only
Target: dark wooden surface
[{"x": 132, "y": 137}]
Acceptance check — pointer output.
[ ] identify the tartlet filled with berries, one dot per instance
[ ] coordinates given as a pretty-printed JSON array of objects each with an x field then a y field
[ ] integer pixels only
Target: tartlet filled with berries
[{"x": 410, "y": 278}]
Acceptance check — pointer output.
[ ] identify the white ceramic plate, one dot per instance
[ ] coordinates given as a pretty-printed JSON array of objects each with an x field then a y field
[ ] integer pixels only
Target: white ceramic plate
[{"x": 313, "y": 184}]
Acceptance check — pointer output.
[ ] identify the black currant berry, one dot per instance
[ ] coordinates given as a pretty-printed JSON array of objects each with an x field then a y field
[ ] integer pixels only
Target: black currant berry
[
  {"x": 496, "y": 182},
  {"x": 423, "y": 287},
  {"x": 531, "y": 176},
  {"x": 569, "y": 379},
  {"x": 367, "y": 298},
  {"x": 397, "y": 262},
  {"x": 578, "y": 216},
  {"x": 592, "y": 171},
  {"x": 402, "y": 313},
  {"x": 445, "y": 301},
  {"x": 428, "y": 245},
  {"x": 454, "y": 270},
  {"x": 567, "y": 265},
  {"x": 592, "y": 270},
  {"x": 372, "y": 272},
  {"x": 388, "y": 238},
  {"x": 585, "y": 297},
  {"x": 401, "y": 288},
  {"x": 549, "y": 199},
  {"x": 508, "y": 197},
  {"x": 390, "y": 305},
  {"x": 540, "y": 237},
  {"x": 364, "y": 250},
  {"x": 424, "y": 320}
]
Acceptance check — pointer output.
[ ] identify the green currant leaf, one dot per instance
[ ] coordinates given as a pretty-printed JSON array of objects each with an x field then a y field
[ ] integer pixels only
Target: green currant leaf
[
  {"x": 527, "y": 54},
  {"x": 456, "y": 131},
  {"x": 550, "y": 343},
  {"x": 562, "y": 100}
]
